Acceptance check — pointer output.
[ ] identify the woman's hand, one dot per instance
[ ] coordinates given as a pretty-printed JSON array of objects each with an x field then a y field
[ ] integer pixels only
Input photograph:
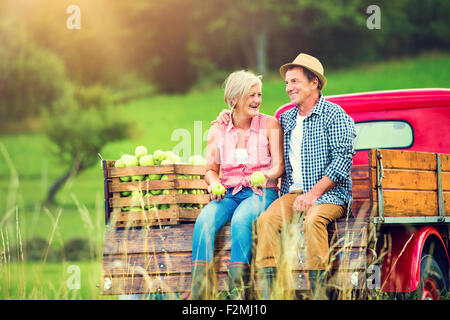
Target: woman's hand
[
  {"x": 215, "y": 196},
  {"x": 263, "y": 185}
]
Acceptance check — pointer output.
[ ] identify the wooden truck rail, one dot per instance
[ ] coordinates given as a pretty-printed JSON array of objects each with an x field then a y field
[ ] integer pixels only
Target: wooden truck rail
[{"x": 155, "y": 255}]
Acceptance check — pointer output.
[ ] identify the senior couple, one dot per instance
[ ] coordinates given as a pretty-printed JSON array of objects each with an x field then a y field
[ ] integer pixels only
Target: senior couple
[{"x": 310, "y": 148}]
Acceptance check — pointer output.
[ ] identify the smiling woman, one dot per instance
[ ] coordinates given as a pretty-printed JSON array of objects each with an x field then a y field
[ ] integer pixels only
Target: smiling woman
[{"x": 244, "y": 145}]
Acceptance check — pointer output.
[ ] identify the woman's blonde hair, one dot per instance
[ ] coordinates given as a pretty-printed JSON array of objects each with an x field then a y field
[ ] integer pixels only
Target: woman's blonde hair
[{"x": 238, "y": 85}]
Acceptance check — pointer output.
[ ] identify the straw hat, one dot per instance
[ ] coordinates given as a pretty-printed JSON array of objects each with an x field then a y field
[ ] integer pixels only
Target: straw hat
[{"x": 310, "y": 63}]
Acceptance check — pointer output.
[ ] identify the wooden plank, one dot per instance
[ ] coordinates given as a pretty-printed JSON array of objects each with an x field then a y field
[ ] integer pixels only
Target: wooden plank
[
  {"x": 398, "y": 203},
  {"x": 361, "y": 189},
  {"x": 360, "y": 172},
  {"x": 174, "y": 239},
  {"x": 445, "y": 162},
  {"x": 145, "y": 215},
  {"x": 145, "y": 284},
  {"x": 400, "y": 159},
  {"x": 193, "y": 198},
  {"x": 140, "y": 201},
  {"x": 142, "y": 185},
  {"x": 189, "y": 214},
  {"x": 412, "y": 180},
  {"x": 140, "y": 170},
  {"x": 179, "y": 238},
  {"x": 190, "y": 170},
  {"x": 191, "y": 184},
  {"x": 362, "y": 207}
]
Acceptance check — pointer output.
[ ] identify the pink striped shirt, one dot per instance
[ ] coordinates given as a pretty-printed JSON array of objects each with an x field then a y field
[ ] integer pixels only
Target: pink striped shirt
[{"x": 236, "y": 174}]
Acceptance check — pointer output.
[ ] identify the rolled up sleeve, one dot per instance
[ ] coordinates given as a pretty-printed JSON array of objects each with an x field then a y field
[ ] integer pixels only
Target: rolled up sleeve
[{"x": 342, "y": 134}]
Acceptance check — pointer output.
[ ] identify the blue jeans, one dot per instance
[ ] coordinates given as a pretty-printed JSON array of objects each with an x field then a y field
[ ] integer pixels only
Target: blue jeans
[{"x": 242, "y": 209}]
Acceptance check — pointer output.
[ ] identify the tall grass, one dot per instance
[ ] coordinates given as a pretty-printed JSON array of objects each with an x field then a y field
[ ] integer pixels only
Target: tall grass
[{"x": 43, "y": 280}]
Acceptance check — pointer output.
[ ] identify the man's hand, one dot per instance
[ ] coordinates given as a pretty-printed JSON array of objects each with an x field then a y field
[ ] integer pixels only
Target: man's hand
[
  {"x": 224, "y": 116},
  {"x": 304, "y": 201}
]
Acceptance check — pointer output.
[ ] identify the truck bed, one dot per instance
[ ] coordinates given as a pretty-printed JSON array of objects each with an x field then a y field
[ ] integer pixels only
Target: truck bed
[{"x": 396, "y": 187}]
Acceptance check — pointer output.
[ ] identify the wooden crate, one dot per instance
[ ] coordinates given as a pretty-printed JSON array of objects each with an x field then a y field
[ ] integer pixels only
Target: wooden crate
[{"x": 141, "y": 215}]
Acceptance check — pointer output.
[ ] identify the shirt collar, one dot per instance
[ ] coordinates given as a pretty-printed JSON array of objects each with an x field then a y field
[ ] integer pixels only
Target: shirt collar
[
  {"x": 253, "y": 125},
  {"x": 318, "y": 108}
]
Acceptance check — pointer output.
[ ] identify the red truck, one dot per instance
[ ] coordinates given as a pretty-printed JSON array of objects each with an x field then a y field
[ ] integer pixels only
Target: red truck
[{"x": 399, "y": 238}]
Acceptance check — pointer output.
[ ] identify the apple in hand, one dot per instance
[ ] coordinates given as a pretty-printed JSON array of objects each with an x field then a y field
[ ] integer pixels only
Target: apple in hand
[
  {"x": 257, "y": 179},
  {"x": 218, "y": 189}
]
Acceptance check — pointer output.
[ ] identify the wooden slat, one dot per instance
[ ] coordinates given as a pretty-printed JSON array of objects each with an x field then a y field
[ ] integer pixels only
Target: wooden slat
[
  {"x": 174, "y": 239},
  {"x": 191, "y": 184},
  {"x": 179, "y": 238},
  {"x": 145, "y": 215},
  {"x": 139, "y": 201},
  {"x": 400, "y": 159},
  {"x": 140, "y": 170},
  {"x": 139, "y": 284},
  {"x": 412, "y": 180},
  {"x": 142, "y": 185},
  {"x": 361, "y": 189},
  {"x": 360, "y": 172},
  {"x": 412, "y": 203},
  {"x": 190, "y": 170},
  {"x": 445, "y": 162}
]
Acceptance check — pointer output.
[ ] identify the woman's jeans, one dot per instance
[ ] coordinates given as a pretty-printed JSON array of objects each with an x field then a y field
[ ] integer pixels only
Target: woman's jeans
[{"x": 242, "y": 209}]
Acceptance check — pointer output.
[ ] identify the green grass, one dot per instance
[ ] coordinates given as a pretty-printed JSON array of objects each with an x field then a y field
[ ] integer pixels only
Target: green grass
[{"x": 28, "y": 166}]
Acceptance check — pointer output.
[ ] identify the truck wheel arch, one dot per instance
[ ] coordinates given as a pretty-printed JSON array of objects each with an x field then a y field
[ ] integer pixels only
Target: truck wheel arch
[{"x": 406, "y": 274}]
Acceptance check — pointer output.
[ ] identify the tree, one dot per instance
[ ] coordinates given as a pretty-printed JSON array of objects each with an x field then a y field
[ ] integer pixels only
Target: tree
[
  {"x": 31, "y": 78},
  {"x": 79, "y": 125}
]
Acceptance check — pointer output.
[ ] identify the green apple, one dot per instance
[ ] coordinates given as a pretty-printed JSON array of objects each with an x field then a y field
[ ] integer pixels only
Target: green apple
[
  {"x": 166, "y": 161},
  {"x": 172, "y": 156},
  {"x": 140, "y": 151},
  {"x": 132, "y": 161},
  {"x": 121, "y": 164},
  {"x": 156, "y": 192},
  {"x": 125, "y": 193},
  {"x": 158, "y": 156},
  {"x": 151, "y": 177},
  {"x": 150, "y": 207},
  {"x": 257, "y": 178},
  {"x": 195, "y": 160},
  {"x": 218, "y": 189},
  {"x": 146, "y": 160}
]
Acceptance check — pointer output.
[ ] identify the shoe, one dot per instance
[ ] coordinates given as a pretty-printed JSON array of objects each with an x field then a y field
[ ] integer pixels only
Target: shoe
[
  {"x": 266, "y": 278},
  {"x": 201, "y": 283},
  {"x": 238, "y": 283},
  {"x": 317, "y": 284}
]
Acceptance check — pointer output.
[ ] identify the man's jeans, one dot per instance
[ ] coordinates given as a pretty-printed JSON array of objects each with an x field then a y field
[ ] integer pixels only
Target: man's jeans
[{"x": 242, "y": 209}]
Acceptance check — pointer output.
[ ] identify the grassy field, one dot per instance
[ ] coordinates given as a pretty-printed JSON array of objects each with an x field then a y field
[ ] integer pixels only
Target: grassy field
[{"x": 28, "y": 167}]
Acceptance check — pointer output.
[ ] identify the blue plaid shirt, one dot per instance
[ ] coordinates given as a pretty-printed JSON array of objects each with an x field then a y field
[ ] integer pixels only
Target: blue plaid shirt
[{"x": 327, "y": 149}]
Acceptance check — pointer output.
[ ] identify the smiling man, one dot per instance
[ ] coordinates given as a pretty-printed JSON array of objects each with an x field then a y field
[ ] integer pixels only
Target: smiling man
[{"x": 318, "y": 152}]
